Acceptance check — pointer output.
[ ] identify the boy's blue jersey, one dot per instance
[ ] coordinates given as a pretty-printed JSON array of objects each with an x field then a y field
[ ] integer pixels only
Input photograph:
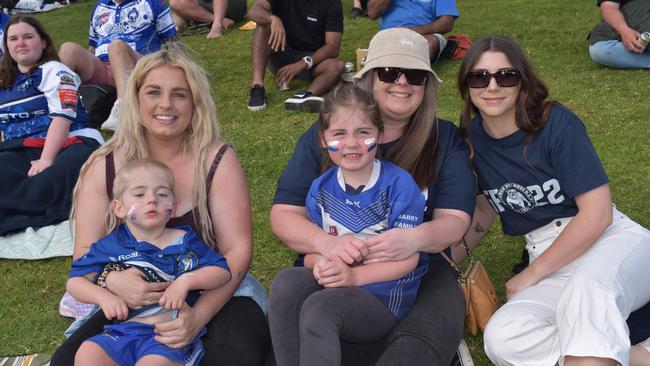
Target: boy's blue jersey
[
  {"x": 27, "y": 107},
  {"x": 391, "y": 199},
  {"x": 121, "y": 247}
]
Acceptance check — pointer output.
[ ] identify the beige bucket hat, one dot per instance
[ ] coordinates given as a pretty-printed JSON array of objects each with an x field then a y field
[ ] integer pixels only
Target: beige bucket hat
[{"x": 398, "y": 47}]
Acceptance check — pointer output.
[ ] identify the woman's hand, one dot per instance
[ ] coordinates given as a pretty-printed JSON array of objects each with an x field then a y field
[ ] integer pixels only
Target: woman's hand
[
  {"x": 348, "y": 249},
  {"x": 521, "y": 281},
  {"x": 179, "y": 332},
  {"x": 38, "y": 166},
  {"x": 391, "y": 245},
  {"x": 132, "y": 287}
]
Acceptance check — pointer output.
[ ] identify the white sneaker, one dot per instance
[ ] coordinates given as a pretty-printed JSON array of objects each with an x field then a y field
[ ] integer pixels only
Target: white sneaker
[
  {"x": 464, "y": 357},
  {"x": 111, "y": 122}
]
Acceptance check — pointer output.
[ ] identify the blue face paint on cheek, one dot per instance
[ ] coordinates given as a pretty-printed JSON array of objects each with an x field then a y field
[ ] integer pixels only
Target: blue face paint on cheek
[
  {"x": 333, "y": 146},
  {"x": 170, "y": 209},
  {"x": 131, "y": 213},
  {"x": 371, "y": 143}
]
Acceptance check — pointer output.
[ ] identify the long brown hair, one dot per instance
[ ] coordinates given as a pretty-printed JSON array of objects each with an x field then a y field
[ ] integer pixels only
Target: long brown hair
[
  {"x": 532, "y": 108},
  {"x": 352, "y": 97},
  {"x": 9, "y": 67},
  {"x": 417, "y": 149}
]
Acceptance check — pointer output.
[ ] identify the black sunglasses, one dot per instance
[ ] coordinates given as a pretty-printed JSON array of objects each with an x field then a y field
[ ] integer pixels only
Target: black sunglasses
[
  {"x": 392, "y": 74},
  {"x": 504, "y": 77}
]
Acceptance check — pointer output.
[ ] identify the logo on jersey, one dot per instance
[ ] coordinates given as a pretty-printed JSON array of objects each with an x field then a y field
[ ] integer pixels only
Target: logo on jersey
[
  {"x": 516, "y": 197},
  {"x": 332, "y": 230},
  {"x": 520, "y": 199},
  {"x": 65, "y": 78},
  {"x": 25, "y": 85},
  {"x": 187, "y": 261},
  {"x": 133, "y": 15}
]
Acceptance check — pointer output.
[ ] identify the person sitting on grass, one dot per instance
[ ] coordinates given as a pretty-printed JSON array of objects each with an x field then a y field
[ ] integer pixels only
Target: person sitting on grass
[
  {"x": 144, "y": 202},
  {"x": 121, "y": 32},
  {"x": 298, "y": 40},
  {"x": 359, "y": 196},
  {"x": 222, "y": 14},
  {"x": 538, "y": 170}
]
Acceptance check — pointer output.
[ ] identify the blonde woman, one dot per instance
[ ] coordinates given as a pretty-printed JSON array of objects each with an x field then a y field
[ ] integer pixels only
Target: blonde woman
[{"x": 169, "y": 116}]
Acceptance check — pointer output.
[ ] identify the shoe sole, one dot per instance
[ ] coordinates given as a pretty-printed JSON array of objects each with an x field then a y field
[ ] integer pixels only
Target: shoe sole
[
  {"x": 308, "y": 105},
  {"x": 256, "y": 108}
]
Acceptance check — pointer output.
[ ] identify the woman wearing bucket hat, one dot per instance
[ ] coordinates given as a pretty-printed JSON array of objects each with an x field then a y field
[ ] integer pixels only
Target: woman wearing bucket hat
[{"x": 399, "y": 76}]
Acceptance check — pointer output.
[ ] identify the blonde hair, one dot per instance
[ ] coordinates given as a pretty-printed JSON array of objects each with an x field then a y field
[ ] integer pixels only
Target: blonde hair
[
  {"x": 416, "y": 150},
  {"x": 202, "y": 132},
  {"x": 124, "y": 179}
]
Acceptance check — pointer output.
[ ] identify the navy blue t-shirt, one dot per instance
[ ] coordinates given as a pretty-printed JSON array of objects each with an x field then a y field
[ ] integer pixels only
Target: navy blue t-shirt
[{"x": 530, "y": 184}]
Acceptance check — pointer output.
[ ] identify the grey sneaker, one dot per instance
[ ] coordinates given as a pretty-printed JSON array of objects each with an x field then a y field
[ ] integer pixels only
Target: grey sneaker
[
  {"x": 111, "y": 122},
  {"x": 304, "y": 101},
  {"x": 257, "y": 100}
]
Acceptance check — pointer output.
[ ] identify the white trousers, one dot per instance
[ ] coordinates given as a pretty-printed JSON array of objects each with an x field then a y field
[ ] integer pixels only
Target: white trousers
[{"x": 579, "y": 310}]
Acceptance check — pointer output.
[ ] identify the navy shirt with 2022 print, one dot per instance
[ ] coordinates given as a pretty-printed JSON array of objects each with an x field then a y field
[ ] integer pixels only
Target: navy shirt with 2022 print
[
  {"x": 531, "y": 183},
  {"x": 453, "y": 188}
]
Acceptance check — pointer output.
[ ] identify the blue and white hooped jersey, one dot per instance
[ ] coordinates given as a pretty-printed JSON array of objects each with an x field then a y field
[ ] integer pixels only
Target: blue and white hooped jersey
[
  {"x": 27, "y": 107},
  {"x": 4, "y": 19},
  {"x": 532, "y": 182},
  {"x": 390, "y": 199},
  {"x": 142, "y": 24}
]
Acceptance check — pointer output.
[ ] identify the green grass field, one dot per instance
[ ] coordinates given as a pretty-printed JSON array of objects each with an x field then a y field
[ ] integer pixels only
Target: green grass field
[{"x": 614, "y": 104}]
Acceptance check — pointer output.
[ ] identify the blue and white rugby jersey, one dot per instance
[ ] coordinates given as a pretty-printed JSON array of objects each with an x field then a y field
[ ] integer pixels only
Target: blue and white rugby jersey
[
  {"x": 27, "y": 107},
  {"x": 390, "y": 199},
  {"x": 142, "y": 24},
  {"x": 4, "y": 19}
]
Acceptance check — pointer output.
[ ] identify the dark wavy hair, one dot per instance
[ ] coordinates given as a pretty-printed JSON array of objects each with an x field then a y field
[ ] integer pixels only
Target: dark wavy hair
[
  {"x": 9, "y": 67},
  {"x": 532, "y": 108}
]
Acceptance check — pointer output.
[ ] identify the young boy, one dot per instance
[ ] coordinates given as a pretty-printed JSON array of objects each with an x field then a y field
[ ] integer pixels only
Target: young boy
[{"x": 144, "y": 202}]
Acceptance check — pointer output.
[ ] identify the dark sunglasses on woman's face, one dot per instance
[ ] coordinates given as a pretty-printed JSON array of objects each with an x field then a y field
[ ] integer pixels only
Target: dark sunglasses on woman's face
[
  {"x": 505, "y": 78},
  {"x": 392, "y": 74}
]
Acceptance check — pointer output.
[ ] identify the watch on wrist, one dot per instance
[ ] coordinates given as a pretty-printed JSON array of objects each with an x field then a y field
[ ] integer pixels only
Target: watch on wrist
[{"x": 309, "y": 61}]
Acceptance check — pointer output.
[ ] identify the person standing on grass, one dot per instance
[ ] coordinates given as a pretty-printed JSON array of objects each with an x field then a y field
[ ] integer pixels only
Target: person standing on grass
[
  {"x": 143, "y": 204},
  {"x": 538, "y": 170},
  {"x": 615, "y": 41},
  {"x": 46, "y": 131},
  {"x": 430, "y": 18},
  {"x": 170, "y": 116},
  {"x": 296, "y": 39},
  {"x": 359, "y": 196},
  {"x": 398, "y": 75},
  {"x": 121, "y": 32}
]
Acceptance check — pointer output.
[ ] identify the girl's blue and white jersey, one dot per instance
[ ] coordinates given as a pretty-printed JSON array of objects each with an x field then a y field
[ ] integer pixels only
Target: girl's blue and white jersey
[
  {"x": 391, "y": 199},
  {"x": 27, "y": 107}
]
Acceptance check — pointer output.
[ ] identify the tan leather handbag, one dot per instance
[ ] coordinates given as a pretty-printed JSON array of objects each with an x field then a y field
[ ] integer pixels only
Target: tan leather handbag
[{"x": 480, "y": 298}]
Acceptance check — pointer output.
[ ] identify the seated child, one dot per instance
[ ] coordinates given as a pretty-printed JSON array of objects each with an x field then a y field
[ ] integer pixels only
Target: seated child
[
  {"x": 359, "y": 196},
  {"x": 144, "y": 202}
]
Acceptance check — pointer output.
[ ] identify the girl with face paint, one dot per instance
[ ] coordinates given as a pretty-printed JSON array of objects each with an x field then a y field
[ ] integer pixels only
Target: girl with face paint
[
  {"x": 360, "y": 196},
  {"x": 144, "y": 203}
]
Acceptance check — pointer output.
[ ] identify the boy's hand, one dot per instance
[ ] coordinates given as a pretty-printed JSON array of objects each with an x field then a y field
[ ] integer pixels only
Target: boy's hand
[
  {"x": 113, "y": 307},
  {"x": 38, "y": 166},
  {"x": 175, "y": 294},
  {"x": 333, "y": 274}
]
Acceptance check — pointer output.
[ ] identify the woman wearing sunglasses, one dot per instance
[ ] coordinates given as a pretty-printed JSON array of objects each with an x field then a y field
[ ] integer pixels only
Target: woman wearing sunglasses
[
  {"x": 398, "y": 75},
  {"x": 538, "y": 170}
]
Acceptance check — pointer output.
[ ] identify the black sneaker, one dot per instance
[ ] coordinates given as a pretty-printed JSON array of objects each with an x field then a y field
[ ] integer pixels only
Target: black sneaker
[
  {"x": 356, "y": 12},
  {"x": 304, "y": 101},
  {"x": 257, "y": 100}
]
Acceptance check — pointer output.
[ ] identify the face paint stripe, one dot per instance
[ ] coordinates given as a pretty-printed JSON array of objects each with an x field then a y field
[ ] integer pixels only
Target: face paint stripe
[
  {"x": 131, "y": 212},
  {"x": 371, "y": 143},
  {"x": 333, "y": 145}
]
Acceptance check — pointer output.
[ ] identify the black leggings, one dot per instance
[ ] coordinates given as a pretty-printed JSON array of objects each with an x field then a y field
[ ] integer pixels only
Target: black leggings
[
  {"x": 237, "y": 335},
  {"x": 429, "y": 335},
  {"x": 306, "y": 325}
]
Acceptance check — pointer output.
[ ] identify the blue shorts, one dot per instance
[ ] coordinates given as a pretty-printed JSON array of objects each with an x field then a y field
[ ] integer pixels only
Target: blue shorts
[{"x": 128, "y": 342}]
